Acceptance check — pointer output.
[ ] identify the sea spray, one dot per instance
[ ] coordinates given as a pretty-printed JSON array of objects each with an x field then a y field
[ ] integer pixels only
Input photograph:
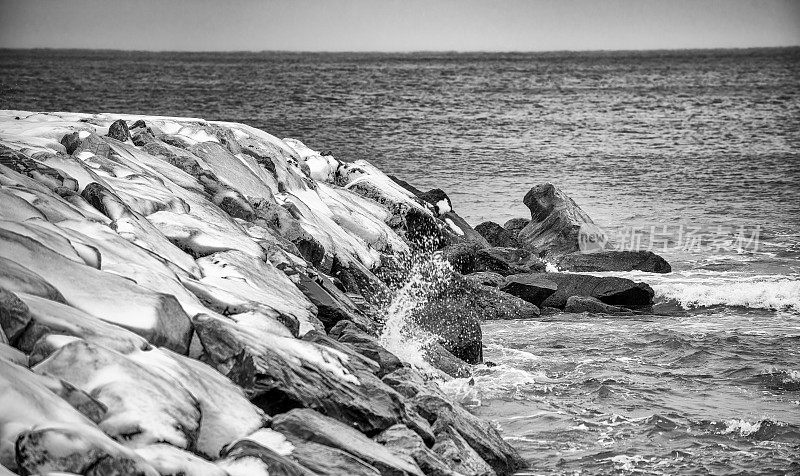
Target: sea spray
[{"x": 427, "y": 274}]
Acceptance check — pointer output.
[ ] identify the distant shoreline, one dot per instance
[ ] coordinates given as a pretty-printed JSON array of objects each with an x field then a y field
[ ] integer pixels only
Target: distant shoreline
[{"x": 435, "y": 53}]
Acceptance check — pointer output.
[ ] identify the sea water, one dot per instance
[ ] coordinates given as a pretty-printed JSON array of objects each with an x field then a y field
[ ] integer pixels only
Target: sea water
[{"x": 693, "y": 154}]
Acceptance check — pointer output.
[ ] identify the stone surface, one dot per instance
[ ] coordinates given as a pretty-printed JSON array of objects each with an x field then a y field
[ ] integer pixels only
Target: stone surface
[
  {"x": 556, "y": 222},
  {"x": 486, "y": 278},
  {"x": 143, "y": 408},
  {"x": 118, "y": 130},
  {"x": 309, "y": 425},
  {"x": 610, "y": 290},
  {"x": 514, "y": 225},
  {"x": 401, "y": 440},
  {"x": 16, "y": 278},
  {"x": 614, "y": 261},
  {"x": 496, "y": 235},
  {"x": 479, "y": 434},
  {"x": 369, "y": 347},
  {"x": 534, "y": 288},
  {"x": 14, "y": 315},
  {"x": 578, "y": 304},
  {"x": 272, "y": 462},
  {"x": 455, "y": 452},
  {"x": 508, "y": 261}
]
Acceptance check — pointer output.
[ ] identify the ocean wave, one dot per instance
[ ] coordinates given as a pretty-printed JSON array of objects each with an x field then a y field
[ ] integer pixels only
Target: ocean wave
[{"x": 781, "y": 294}]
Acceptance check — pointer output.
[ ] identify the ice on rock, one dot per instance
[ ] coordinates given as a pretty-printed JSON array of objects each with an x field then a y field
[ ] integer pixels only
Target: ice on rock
[
  {"x": 232, "y": 170},
  {"x": 55, "y": 241},
  {"x": 55, "y": 436},
  {"x": 53, "y": 318},
  {"x": 143, "y": 407},
  {"x": 156, "y": 317},
  {"x": 16, "y": 208},
  {"x": 259, "y": 283},
  {"x": 201, "y": 238},
  {"x": 169, "y": 460},
  {"x": 226, "y": 414},
  {"x": 19, "y": 279}
]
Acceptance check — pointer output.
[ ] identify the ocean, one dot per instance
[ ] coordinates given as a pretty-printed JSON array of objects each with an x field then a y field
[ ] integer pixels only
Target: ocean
[{"x": 693, "y": 154}]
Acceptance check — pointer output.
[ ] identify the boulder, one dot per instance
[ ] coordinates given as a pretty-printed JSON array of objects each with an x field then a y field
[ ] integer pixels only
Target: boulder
[
  {"x": 14, "y": 314},
  {"x": 356, "y": 359},
  {"x": 332, "y": 304},
  {"x": 143, "y": 407},
  {"x": 402, "y": 440},
  {"x": 534, "y": 288},
  {"x": 486, "y": 278},
  {"x": 514, "y": 225},
  {"x": 309, "y": 425},
  {"x": 40, "y": 432},
  {"x": 496, "y": 235},
  {"x": 556, "y": 222},
  {"x": 614, "y": 261},
  {"x": 508, "y": 261},
  {"x": 291, "y": 373},
  {"x": 479, "y": 434},
  {"x": 579, "y": 304},
  {"x": 71, "y": 142},
  {"x": 455, "y": 453},
  {"x": 440, "y": 358},
  {"x": 459, "y": 230},
  {"x": 118, "y": 130},
  {"x": 324, "y": 460},
  {"x": 369, "y": 347},
  {"x": 15, "y": 278},
  {"x": 241, "y": 457},
  {"x": 610, "y": 290},
  {"x": 438, "y": 200},
  {"x": 157, "y": 317}
]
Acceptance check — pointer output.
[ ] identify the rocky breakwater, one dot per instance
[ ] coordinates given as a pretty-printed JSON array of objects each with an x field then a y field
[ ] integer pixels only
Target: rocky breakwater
[{"x": 180, "y": 296}]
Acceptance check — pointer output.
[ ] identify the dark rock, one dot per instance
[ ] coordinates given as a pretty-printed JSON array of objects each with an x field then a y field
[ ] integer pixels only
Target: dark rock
[
  {"x": 557, "y": 223},
  {"x": 274, "y": 463},
  {"x": 142, "y": 138},
  {"x": 438, "y": 199},
  {"x": 284, "y": 380},
  {"x": 18, "y": 279},
  {"x": 579, "y": 304},
  {"x": 357, "y": 278},
  {"x": 442, "y": 359},
  {"x": 356, "y": 359},
  {"x": 610, "y": 290},
  {"x": 533, "y": 288},
  {"x": 368, "y": 346},
  {"x": 455, "y": 452},
  {"x": 486, "y": 278},
  {"x": 401, "y": 440},
  {"x": 332, "y": 304},
  {"x": 479, "y": 434},
  {"x": 614, "y": 261},
  {"x": 308, "y": 425},
  {"x": 52, "y": 178},
  {"x": 461, "y": 256},
  {"x": 508, "y": 261},
  {"x": 409, "y": 382},
  {"x": 14, "y": 314},
  {"x": 496, "y": 235},
  {"x": 71, "y": 142},
  {"x": 459, "y": 230},
  {"x": 549, "y": 311},
  {"x": 323, "y": 460},
  {"x": 119, "y": 130},
  {"x": 406, "y": 185},
  {"x": 93, "y": 144},
  {"x": 515, "y": 225},
  {"x": 139, "y": 124}
]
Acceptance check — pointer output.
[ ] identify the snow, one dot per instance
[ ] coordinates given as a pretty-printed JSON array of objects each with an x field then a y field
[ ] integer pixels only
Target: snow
[{"x": 273, "y": 440}]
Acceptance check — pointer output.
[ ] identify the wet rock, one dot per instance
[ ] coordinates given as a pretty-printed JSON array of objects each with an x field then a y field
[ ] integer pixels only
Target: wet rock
[
  {"x": 291, "y": 373},
  {"x": 614, "y": 261},
  {"x": 534, "y": 288},
  {"x": 456, "y": 453},
  {"x": 579, "y": 304},
  {"x": 401, "y": 440},
  {"x": 486, "y": 278},
  {"x": 514, "y": 225},
  {"x": 461, "y": 256},
  {"x": 14, "y": 315},
  {"x": 324, "y": 460},
  {"x": 440, "y": 358},
  {"x": 143, "y": 408},
  {"x": 459, "y": 230},
  {"x": 496, "y": 235},
  {"x": 309, "y": 425},
  {"x": 408, "y": 382},
  {"x": 332, "y": 304},
  {"x": 119, "y": 130},
  {"x": 244, "y": 454},
  {"x": 356, "y": 358},
  {"x": 610, "y": 290},
  {"x": 480, "y": 435},
  {"x": 357, "y": 278},
  {"x": 507, "y": 261},
  {"x": 369, "y": 347},
  {"x": 556, "y": 222}
]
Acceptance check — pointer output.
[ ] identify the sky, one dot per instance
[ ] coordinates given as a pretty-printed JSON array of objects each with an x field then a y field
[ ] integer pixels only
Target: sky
[{"x": 398, "y": 25}]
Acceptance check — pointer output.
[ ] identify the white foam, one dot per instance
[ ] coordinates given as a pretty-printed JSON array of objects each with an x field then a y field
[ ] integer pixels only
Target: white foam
[
  {"x": 742, "y": 427},
  {"x": 783, "y": 294}
]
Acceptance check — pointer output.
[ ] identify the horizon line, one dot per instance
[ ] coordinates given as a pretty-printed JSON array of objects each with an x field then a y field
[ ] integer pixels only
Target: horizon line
[{"x": 411, "y": 52}]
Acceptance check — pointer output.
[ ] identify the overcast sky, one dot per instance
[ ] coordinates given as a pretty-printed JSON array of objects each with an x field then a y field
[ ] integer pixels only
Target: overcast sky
[{"x": 398, "y": 25}]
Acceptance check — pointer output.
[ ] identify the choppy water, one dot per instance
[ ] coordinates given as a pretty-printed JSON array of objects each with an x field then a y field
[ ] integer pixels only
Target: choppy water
[{"x": 694, "y": 151}]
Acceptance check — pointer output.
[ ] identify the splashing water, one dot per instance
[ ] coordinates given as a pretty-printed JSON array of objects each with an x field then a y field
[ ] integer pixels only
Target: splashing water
[{"x": 427, "y": 275}]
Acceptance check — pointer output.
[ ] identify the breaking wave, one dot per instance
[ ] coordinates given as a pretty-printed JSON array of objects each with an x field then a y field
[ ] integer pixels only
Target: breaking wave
[{"x": 783, "y": 294}]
